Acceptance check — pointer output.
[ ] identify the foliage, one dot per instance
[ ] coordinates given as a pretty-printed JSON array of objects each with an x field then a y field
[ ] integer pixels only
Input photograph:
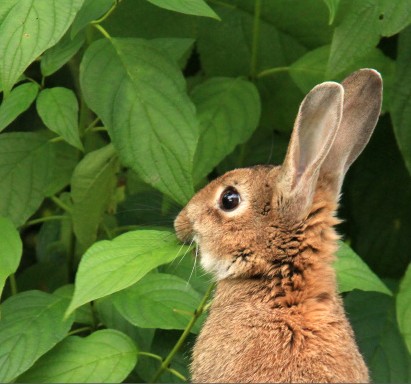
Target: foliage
[{"x": 115, "y": 112}]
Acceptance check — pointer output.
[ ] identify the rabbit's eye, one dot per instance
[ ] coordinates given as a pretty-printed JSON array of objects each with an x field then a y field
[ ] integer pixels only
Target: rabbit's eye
[{"x": 230, "y": 199}]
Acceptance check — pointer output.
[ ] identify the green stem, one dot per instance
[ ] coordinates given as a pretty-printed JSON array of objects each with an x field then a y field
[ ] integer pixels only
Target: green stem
[
  {"x": 56, "y": 139},
  {"x": 102, "y": 31},
  {"x": 176, "y": 373},
  {"x": 44, "y": 219},
  {"x": 256, "y": 36},
  {"x": 198, "y": 312},
  {"x": 107, "y": 14},
  {"x": 60, "y": 203},
  {"x": 92, "y": 125},
  {"x": 152, "y": 355},
  {"x": 78, "y": 330},
  {"x": 13, "y": 284},
  {"x": 272, "y": 71}
]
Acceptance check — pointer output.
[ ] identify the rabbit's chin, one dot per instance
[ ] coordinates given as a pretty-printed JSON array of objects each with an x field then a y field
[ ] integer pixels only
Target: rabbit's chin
[{"x": 219, "y": 268}]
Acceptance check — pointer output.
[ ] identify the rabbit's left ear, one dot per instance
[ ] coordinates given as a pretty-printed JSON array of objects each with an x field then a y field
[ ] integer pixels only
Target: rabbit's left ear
[{"x": 362, "y": 106}]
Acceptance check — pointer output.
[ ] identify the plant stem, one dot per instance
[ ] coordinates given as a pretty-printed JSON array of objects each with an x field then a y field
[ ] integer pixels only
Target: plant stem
[
  {"x": 59, "y": 203},
  {"x": 107, "y": 14},
  {"x": 102, "y": 31},
  {"x": 78, "y": 330},
  {"x": 44, "y": 219},
  {"x": 13, "y": 284},
  {"x": 256, "y": 36},
  {"x": 272, "y": 71},
  {"x": 176, "y": 373},
  {"x": 198, "y": 312},
  {"x": 152, "y": 355}
]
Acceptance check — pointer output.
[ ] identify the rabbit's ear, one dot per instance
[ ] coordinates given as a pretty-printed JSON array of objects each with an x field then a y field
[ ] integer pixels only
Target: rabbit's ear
[
  {"x": 314, "y": 131},
  {"x": 362, "y": 106}
]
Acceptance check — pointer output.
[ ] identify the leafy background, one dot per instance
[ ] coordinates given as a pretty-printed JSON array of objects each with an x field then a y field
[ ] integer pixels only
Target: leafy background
[{"x": 114, "y": 112}]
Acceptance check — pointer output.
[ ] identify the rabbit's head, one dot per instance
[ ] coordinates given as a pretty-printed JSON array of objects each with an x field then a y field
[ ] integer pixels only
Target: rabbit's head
[{"x": 250, "y": 219}]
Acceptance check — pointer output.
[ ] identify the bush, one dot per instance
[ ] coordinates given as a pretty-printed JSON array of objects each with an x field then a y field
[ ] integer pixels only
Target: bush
[{"x": 115, "y": 112}]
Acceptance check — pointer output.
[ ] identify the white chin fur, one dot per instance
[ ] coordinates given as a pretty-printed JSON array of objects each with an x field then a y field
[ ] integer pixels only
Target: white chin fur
[{"x": 220, "y": 268}]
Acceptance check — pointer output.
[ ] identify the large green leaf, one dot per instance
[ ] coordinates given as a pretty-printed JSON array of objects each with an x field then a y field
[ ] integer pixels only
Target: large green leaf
[
  {"x": 228, "y": 110},
  {"x": 29, "y": 28},
  {"x": 58, "y": 108},
  {"x": 106, "y": 356},
  {"x": 404, "y": 307},
  {"x": 361, "y": 23},
  {"x": 146, "y": 110},
  {"x": 25, "y": 164},
  {"x": 353, "y": 273},
  {"x": 110, "y": 266},
  {"x": 158, "y": 300},
  {"x": 189, "y": 7},
  {"x": 58, "y": 55},
  {"x": 19, "y": 100},
  {"x": 401, "y": 97},
  {"x": 10, "y": 250},
  {"x": 31, "y": 324},
  {"x": 372, "y": 316},
  {"x": 92, "y": 187}
]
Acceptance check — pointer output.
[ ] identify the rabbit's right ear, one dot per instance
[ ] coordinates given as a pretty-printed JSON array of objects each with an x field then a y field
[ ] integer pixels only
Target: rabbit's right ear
[{"x": 314, "y": 131}]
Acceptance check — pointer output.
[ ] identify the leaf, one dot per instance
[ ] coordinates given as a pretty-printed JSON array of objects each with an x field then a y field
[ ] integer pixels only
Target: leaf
[
  {"x": 189, "y": 7},
  {"x": 58, "y": 55},
  {"x": 158, "y": 301},
  {"x": 229, "y": 111},
  {"x": 31, "y": 324},
  {"x": 110, "y": 266},
  {"x": 401, "y": 97},
  {"x": 178, "y": 49},
  {"x": 106, "y": 356},
  {"x": 150, "y": 119},
  {"x": 372, "y": 316},
  {"x": 91, "y": 10},
  {"x": 353, "y": 273},
  {"x": 92, "y": 187},
  {"x": 25, "y": 163},
  {"x": 10, "y": 251},
  {"x": 58, "y": 108},
  {"x": 31, "y": 27},
  {"x": 19, "y": 100},
  {"x": 404, "y": 307}
]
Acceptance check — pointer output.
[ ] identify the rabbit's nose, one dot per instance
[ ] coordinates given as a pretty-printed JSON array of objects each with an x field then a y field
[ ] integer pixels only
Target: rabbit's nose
[{"x": 183, "y": 227}]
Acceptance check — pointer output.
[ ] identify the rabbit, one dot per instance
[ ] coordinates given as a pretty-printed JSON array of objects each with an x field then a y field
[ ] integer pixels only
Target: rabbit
[{"x": 266, "y": 234}]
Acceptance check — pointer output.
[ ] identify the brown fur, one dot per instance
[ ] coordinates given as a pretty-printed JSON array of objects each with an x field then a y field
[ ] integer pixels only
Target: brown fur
[{"x": 276, "y": 315}]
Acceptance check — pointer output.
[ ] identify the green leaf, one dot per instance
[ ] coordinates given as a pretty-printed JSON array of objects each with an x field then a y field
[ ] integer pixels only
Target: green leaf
[
  {"x": 110, "y": 266},
  {"x": 25, "y": 163},
  {"x": 404, "y": 307},
  {"x": 332, "y": 7},
  {"x": 401, "y": 97},
  {"x": 58, "y": 55},
  {"x": 146, "y": 110},
  {"x": 10, "y": 251},
  {"x": 372, "y": 316},
  {"x": 58, "y": 108},
  {"x": 31, "y": 27},
  {"x": 178, "y": 49},
  {"x": 106, "y": 356},
  {"x": 19, "y": 100},
  {"x": 394, "y": 16},
  {"x": 158, "y": 301},
  {"x": 228, "y": 110},
  {"x": 92, "y": 187},
  {"x": 189, "y": 7},
  {"x": 353, "y": 273},
  {"x": 91, "y": 10},
  {"x": 31, "y": 324}
]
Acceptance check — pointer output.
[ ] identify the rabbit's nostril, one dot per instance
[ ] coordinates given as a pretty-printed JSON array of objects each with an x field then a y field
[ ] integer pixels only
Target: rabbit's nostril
[{"x": 183, "y": 227}]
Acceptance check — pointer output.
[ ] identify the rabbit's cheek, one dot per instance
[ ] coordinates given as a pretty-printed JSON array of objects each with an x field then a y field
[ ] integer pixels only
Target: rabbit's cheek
[{"x": 220, "y": 268}]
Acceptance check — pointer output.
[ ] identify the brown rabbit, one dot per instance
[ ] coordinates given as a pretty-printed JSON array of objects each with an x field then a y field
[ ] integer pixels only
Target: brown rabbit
[{"x": 267, "y": 234}]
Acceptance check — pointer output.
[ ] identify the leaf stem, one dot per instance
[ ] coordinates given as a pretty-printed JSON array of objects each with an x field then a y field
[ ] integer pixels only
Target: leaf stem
[
  {"x": 176, "y": 373},
  {"x": 13, "y": 284},
  {"x": 102, "y": 31},
  {"x": 107, "y": 14},
  {"x": 272, "y": 71},
  {"x": 78, "y": 330},
  {"x": 256, "y": 36},
  {"x": 60, "y": 203},
  {"x": 198, "y": 312},
  {"x": 44, "y": 219},
  {"x": 152, "y": 355}
]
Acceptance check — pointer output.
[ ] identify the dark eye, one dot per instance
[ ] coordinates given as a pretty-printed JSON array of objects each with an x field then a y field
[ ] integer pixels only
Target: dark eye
[{"x": 230, "y": 199}]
